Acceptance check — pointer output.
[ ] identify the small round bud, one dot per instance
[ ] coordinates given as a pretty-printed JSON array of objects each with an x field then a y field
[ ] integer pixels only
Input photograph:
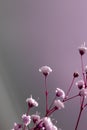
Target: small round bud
[
  {"x": 80, "y": 84},
  {"x": 75, "y": 74},
  {"x": 82, "y": 49},
  {"x": 60, "y": 93}
]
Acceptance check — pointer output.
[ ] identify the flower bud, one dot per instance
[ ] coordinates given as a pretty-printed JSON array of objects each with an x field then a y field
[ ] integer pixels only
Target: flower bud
[
  {"x": 35, "y": 118},
  {"x": 31, "y": 102},
  {"x": 60, "y": 93},
  {"x": 45, "y": 70},
  {"x": 58, "y": 104},
  {"x": 48, "y": 125},
  {"x": 75, "y": 74},
  {"x": 82, "y": 49},
  {"x": 80, "y": 84}
]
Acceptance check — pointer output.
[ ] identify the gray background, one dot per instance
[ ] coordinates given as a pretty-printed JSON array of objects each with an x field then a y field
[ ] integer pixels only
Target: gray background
[{"x": 34, "y": 33}]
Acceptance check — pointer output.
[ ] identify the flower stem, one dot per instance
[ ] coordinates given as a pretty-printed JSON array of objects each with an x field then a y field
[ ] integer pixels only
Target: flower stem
[
  {"x": 46, "y": 94},
  {"x": 52, "y": 102},
  {"x": 24, "y": 127},
  {"x": 70, "y": 98},
  {"x": 69, "y": 88},
  {"x": 51, "y": 111},
  {"x": 81, "y": 108},
  {"x": 28, "y": 111},
  {"x": 82, "y": 66},
  {"x": 78, "y": 119}
]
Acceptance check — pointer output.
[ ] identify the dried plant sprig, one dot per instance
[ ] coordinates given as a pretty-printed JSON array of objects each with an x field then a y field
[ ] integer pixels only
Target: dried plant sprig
[{"x": 58, "y": 102}]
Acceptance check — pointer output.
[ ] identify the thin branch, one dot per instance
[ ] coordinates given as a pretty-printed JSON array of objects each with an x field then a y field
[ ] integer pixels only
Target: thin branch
[
  {"x": 81, "y": 108},
  {"x": 69, "y": 88},
  {"x": 70, "y": 98}
]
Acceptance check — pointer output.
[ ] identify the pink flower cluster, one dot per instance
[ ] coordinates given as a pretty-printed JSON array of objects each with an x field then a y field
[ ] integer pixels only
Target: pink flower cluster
[{"x": 58, "y": 102}]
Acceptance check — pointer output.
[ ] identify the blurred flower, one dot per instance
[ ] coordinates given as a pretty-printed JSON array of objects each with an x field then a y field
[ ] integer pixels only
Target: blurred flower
[
  {"x": 45, "y": 70},
  {"x": 17, "y": 126},
  {"x": 83, "y": 92},
  {"x": 85, "y": 69},
  {"x": 75, "y": 74},
  {"x": 58, "y": 104},
  {"x": 48, "y": 125},
  {"x": 26, "y": 119},
  {"x": 31, "y": 102},
  {"x": 80, "y": 84},
  {"x": 82, "y": 49},
  {"x": 35, "y": 118},
  {"x": 60, "y": 93}
]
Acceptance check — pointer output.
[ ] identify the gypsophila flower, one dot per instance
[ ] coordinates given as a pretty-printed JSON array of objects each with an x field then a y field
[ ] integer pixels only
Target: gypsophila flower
[
  {"x": 31, "y": 102},
  {"x": 58, "y": 104},
  {"x": 80, "y": 84},
  {"x": 45, "y": 70},
  {"x": 17, "y": 126},
  {"x": 82, "y": 49},
  {"x": 60, "y": 93},
  {"x": 35, "y": 122},
  {"x": 48, "y": 125},
  {"x": 54, "y": 127},
  {"x": 26, "y": 119},
  {"x": 83, "y": 92},
  {"x": 35, "y": 118}
]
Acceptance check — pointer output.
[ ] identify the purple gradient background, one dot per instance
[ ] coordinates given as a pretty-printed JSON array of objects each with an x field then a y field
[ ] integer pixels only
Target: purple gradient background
[{"x": 34, "y": 33}]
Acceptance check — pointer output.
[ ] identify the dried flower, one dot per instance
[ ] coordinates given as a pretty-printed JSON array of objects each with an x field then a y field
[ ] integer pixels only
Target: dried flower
[
  {"x": 45, "y": 70},
  {"x": 31, "y": 102},
  {"x": 80, "y": 84},
  {"x": 48, "y": 125},
  {"x": 45, "y": 123},
  {"x": 26, "y": 119},
  {"x": 60, "y": 93},
  {"x": 82, "y": 49},
  {"x": 58, "y": 104},
  {"x": 35, "y": 118},
  {"x": 17, "y": 126}
]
